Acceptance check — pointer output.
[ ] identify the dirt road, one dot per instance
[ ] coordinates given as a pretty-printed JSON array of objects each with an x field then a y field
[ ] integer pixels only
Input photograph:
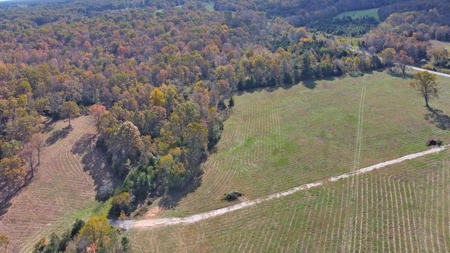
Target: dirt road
[
  {"x": 433, "y": 72},
  {"x": 159, "y": 222}
]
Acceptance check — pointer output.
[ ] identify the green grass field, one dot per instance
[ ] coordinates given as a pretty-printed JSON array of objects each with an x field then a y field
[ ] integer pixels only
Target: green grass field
[
  {"x": 360, "y": 13},
  {"x": 401, "y": 208},
  {"x": 276, "y": 140},
  {"x": 209, "y": 6}
]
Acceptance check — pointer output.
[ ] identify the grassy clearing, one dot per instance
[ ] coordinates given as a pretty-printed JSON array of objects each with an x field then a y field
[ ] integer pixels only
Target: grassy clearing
[
  {"x": 276, "y": 140},
  {"x": 401, "y": 208},
  {"x": 66, "y": 186},
  {"x": 440, "y": 44},
  {"x": 360, "y": 13},
  {"x": 209, "y": 7}
]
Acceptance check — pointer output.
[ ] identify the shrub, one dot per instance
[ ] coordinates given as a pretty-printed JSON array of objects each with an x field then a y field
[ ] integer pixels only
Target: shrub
[
  {"x": 231, "y": 196},
  {"x": 76, "y": 228},
  {"x": 121, "y": 202}
]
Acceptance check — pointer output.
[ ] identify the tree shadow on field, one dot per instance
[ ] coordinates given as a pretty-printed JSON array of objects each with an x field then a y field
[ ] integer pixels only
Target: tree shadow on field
[
  {"x": 49, "y": 124},
  {"x": 58, "y": 135},
  {"x": 172, "y": 199},
  {"x": 310, "y": 84},
  {"x": 84, "y": 144},
  {"x": 95, "y": 163},
  {"x": 398, "y": 74},
  {"x": 6, "y": 195},
  {"x": 4, "y": 205},
  {"x": 437, "y": 117}
]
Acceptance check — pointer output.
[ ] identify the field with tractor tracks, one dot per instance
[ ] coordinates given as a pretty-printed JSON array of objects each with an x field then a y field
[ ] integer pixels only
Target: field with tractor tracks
[
  {"x": 279, "y": 139},
  {"x": 276, "y": 140},
  {"x": 72, "y": 177}
]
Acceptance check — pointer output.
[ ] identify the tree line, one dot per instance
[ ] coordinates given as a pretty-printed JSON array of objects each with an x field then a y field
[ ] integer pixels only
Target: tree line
[
  {"x": 159, "y": 84},
  {"x": 162, "y": 78}
]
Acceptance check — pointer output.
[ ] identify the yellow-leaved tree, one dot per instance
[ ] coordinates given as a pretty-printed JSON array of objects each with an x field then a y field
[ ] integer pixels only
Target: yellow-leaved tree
[
  {"x": 425, "y": 83},
  {"x": 157, "y": 97},
  {"x": 95, "y": 229}
]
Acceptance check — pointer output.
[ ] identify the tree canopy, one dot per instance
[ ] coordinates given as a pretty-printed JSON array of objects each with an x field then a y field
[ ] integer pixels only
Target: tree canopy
[
  {"x": 425, "y": 83},
  {"x": 70, "y": 110}
]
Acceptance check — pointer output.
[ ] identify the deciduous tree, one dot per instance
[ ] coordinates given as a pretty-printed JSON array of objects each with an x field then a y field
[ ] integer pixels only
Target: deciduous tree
[
  {"x": 183, "y": 115},
  {"x": 10, "y": 148},
  {"x": 402, "y": 60},
  {"x": 387, "y": 56},
  {"x": 69, "y": 110},
  {"x": 95, "y": 228},
  {"x": 28, "y": 155},
  {"x": 157, "y": 97},
  {"x": 22, "y": 128},
  {"x": 122, "y": 202},
  {"x": 425, "y": 83},
  {"x": 12, "y": 171},
  {"x": 41, "y": 105},
  {"x": 97, "y": 110}
]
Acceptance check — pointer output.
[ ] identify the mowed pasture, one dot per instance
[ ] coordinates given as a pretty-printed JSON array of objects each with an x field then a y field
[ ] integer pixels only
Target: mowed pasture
[
  {"x": 360, "y": 13},
  {"x": 209, "y": 6},
  {"x": 440, "y": 44},
  {"x": 401, "y": 208},
  {"x": 276, "y": 140},
  {"x": 72, "y": 176}
]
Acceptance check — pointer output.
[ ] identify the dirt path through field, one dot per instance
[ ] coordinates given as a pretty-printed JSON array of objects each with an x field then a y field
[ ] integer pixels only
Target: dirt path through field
[
  {"x": 160, "y": 222},
  {"x": 433, "y": 72}
]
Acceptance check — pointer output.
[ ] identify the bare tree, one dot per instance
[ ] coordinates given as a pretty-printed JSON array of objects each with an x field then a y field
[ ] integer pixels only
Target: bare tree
[{"x": 38, "y": 141}]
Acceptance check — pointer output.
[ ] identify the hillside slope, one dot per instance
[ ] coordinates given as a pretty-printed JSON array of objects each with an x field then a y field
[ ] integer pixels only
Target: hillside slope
[{"x": 72, "y": 175}]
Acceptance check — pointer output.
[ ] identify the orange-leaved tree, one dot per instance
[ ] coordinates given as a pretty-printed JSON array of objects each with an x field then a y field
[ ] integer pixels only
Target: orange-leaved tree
[{"x": 97, "y": 110}]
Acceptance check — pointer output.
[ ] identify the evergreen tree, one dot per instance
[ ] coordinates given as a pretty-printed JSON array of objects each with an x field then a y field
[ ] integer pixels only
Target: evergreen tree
[
  {"x": 231, "y": 102},
  {"x": 306, "y": 66},
  {"x": 221, "y": 105}
]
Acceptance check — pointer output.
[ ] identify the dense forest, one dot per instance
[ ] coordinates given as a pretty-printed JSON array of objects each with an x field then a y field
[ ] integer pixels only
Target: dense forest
[{"x": 159, "y": 76}]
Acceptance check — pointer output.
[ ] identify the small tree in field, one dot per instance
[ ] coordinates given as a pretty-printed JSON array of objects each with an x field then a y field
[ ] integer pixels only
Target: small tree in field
[
  {"x": 69, "y": 110},
  {"x": 425, "y": 83},
  {"x": 38, "y": 141}
]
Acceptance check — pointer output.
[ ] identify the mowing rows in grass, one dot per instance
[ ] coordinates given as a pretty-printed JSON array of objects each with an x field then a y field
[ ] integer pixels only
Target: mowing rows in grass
[
  {"x": 401, "y": 208},
  {"x": 59, "y": 191},
  {"x": 276, "y": 140}
]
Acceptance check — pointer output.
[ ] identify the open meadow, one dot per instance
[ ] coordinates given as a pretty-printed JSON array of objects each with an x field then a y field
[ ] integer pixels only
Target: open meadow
[
  {"x": 360, "y": 13},
  {"x": 401, "y": 208},
  {"x": 276, "y": 140},
  {"x": 71, "y": 179},
  {"x": 440, "y": 44},
  {"x": 209, "y": 6}
]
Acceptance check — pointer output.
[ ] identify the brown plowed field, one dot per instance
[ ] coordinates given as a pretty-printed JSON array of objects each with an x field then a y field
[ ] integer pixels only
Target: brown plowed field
[{"x": 67, "y": 183}]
